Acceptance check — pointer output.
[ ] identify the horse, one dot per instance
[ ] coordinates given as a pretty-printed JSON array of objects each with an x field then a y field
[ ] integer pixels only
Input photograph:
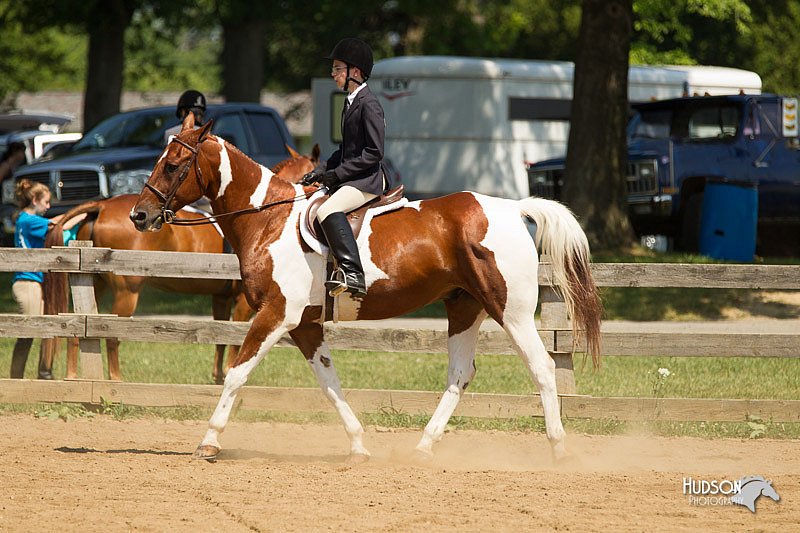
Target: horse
[
  {"x": 474, "y": 252},
  {"x": 108, "y": 226}
]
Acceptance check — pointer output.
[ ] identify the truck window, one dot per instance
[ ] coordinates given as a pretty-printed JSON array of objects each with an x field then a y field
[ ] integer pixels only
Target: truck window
[
  {"x": 231, "y": 128},
  {"x": 720, "y": 122},
  {"x": 652, "y": 124},
  {"x": 268, "y": 135}
]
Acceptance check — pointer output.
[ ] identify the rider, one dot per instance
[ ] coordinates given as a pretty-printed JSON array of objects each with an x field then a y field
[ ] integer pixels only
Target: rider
[
  {"x": 353, "y": 174},
  {"x": 190, "y": 101}
]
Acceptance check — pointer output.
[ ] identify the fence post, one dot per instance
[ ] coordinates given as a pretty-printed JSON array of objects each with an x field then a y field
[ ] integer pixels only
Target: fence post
[
  {"x": 84, "y": 303},
  {"x": 554, "y": 316}
]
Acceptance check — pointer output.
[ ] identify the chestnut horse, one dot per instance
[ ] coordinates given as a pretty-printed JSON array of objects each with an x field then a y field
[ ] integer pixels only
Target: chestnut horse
[
  {"x": 472, "y": 251},
  {"x": 108, "y": 226}
]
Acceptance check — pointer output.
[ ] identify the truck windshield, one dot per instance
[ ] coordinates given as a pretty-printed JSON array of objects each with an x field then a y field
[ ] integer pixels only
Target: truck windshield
[
  {"x": 137, "y": 128},
  {"x": 651, "y": 124}
]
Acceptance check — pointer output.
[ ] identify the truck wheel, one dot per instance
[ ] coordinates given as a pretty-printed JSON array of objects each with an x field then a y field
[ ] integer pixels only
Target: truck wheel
[{"x": 690, "y": 223}]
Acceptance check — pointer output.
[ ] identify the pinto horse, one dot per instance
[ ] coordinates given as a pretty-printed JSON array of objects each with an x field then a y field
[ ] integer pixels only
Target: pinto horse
[
  {"x": 108, "y": 226},
  {"x": 474, "y": 252}
]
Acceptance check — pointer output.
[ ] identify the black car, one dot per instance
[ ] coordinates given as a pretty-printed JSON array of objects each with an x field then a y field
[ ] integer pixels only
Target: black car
[{"x": 116, "y": 156}]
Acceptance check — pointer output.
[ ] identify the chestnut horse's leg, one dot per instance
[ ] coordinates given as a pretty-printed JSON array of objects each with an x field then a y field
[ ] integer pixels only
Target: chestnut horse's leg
[
  {"x": 465, "y": 316},
  {"x": 309, "y": 338},
  {"x": 126, "y": 297},
  {"x": 221, "y": 310},
  {"x": 267, "y": 329}
]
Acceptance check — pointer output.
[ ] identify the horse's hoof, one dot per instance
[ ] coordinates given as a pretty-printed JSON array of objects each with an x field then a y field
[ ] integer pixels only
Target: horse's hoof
[
  {"x": 206, "y": 452},
  {"x": 357, "y": 458},
  {"x": 45, "y": 374},
  {"x": 421, "y": 457}
]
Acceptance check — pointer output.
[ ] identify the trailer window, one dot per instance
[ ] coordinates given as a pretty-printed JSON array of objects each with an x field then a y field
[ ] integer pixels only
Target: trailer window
[{"x": 336, "y": 107}]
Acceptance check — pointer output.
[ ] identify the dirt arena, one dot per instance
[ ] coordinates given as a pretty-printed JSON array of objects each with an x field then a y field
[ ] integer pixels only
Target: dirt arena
[{"x": 104, "y": 475}]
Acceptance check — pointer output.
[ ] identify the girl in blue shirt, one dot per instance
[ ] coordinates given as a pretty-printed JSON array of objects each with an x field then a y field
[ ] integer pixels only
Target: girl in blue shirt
[{"x": 34, "y": 200}]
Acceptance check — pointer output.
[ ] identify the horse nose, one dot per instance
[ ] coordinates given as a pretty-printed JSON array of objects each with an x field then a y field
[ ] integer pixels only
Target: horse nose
[{"x": 138, "y": 217}]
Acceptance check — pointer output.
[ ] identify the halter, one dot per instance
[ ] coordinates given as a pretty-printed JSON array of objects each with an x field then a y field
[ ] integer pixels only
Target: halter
[{"x": 168, "y": 215}]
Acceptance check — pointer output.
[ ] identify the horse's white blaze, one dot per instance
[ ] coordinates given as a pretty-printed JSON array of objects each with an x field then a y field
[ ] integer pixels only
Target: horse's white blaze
[
  {"x": 260, "y": 194},
  {"x": 225, "y": 173}
]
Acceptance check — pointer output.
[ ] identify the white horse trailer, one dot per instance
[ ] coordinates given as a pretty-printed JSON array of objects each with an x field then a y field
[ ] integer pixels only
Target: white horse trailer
[{"x": 458, "y": 123}]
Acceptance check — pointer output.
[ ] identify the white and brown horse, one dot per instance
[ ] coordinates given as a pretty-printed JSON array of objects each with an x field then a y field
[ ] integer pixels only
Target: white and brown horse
[{"x": 472, "y": 251}]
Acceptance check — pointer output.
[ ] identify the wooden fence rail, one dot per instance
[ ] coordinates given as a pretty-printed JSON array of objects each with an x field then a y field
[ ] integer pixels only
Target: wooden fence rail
[{"x": 82, "y": 262}]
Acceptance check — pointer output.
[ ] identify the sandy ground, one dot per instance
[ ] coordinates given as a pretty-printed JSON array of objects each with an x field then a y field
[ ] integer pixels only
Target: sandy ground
[{"x": 104, "y": 475}]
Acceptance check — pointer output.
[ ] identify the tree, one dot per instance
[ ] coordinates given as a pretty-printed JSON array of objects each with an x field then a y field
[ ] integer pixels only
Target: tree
[{"x": 594, "y": 178}]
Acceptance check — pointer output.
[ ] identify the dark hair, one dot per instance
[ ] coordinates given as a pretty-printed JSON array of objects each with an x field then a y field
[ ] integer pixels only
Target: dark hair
[
  {"x": 354, "y": 52},
  {"x": 27, "y": 191}
]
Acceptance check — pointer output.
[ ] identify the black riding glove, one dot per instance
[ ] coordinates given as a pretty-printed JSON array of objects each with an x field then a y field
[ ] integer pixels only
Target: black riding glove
[
  {"x": 329, "y": 179},
  {"x": 309, "y": 178}
]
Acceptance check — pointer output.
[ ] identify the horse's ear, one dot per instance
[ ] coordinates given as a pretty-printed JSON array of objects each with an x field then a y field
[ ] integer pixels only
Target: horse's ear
[
  {"x": 188, "y": 122},
  {"x": 292, "y": 151},
  {"x": 315, "y": 153},
  {"x": 205, "y": 130}
]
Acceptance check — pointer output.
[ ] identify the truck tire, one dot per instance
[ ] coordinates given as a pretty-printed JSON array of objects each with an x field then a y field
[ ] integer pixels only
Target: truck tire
[{"x": 690, "y": 224}]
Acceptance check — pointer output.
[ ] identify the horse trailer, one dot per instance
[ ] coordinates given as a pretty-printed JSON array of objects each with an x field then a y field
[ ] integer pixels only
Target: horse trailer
[{"x": 459, "y": 123}]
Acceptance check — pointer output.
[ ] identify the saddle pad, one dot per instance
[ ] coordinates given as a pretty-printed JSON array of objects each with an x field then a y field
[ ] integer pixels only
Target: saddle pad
[{"x": 318, "y": 246}]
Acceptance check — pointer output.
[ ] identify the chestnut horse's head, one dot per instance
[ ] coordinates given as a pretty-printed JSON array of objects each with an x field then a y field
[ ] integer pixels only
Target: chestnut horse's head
[
  {"x": 176, "y": 179},
  {"x": 297, "y": 166}
]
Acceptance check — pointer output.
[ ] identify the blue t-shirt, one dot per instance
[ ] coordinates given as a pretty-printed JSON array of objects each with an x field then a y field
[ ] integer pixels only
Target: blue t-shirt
[{"x": 30, "y": 233}]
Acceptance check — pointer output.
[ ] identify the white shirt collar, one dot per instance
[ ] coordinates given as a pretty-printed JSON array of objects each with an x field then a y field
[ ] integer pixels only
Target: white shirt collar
[{"x": 352, "y": 96}]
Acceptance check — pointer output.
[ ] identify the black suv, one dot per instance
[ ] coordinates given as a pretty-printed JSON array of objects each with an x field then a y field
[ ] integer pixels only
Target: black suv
[{"x": 116, "y": 156}]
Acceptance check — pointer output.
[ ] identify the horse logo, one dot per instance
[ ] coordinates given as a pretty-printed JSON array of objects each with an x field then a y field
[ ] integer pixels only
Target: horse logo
[{"x": 751, "y": 488}]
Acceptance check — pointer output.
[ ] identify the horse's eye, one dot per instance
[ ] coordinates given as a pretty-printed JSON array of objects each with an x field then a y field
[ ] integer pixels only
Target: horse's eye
[{"x": 171, "y": 168}]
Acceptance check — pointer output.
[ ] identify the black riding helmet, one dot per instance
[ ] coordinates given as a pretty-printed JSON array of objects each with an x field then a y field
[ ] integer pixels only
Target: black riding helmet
[
  {"x": 192, "y": 100},
  {"x": 354, "y": 52}
]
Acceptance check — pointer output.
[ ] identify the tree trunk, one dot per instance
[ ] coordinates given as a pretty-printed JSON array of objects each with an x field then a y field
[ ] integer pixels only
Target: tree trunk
[
  {"x": 243, "y": 60},
  {"x": 106, "y": 30},
  {"x": 594, "y": 178}
]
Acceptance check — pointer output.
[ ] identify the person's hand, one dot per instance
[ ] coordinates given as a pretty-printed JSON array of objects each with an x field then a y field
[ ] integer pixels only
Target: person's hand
[
  {"x": 329, "y": 179},
  {"x": 308, "y": 179}
]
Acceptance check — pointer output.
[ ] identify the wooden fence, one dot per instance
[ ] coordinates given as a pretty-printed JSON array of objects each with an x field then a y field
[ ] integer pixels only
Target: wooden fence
[{"x": 83, "y": 261}]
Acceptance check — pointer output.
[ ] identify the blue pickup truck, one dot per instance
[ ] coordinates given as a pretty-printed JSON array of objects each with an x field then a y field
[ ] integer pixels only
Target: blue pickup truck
[{"x": 677, "y": 146}]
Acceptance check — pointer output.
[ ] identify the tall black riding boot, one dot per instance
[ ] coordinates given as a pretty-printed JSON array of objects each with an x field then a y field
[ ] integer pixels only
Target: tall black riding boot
[
  {"x": 343, "y": 246},
  {"x": 21, "y": 349}
]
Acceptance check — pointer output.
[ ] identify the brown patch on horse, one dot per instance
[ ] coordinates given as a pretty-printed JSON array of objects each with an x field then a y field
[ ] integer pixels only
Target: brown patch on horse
[
  {"x": 308, "y": 336},
  {"x": 426, "y": 242}
]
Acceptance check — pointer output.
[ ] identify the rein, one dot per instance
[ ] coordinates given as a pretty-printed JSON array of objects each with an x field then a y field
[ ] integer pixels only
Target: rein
[{"x": 168, "y": 215}]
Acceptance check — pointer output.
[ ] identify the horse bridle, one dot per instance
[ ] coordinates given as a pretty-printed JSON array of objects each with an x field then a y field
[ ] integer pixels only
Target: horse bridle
[{"x": 168, "y": 215}]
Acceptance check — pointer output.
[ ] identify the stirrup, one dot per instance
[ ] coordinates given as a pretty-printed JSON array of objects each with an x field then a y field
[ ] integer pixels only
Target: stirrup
[{"x": 338, "y": 284}]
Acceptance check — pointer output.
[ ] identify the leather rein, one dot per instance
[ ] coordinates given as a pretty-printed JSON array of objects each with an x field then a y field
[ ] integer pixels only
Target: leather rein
[{"x": 168, "y": 215}]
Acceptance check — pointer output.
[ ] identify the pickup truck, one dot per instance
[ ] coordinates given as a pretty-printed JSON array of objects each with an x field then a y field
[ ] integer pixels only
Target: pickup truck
[
  {"x": 677, "y": 146},
  {"x": 116, "y": 156}
]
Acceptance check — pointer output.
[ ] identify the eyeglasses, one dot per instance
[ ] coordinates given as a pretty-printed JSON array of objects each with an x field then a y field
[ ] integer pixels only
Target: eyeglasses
[{"x": 335, "y": 70}]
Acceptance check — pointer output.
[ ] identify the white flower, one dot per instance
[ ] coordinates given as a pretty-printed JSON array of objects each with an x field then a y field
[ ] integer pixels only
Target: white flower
[{"x": 664, "y": 372}]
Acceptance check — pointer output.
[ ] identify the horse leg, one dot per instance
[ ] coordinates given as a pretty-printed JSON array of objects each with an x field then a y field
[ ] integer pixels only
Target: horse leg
[
  {"x": 267, "y": 329},
  {"x": 126, "y": 297},
  {"x": 527, "y": 342},
  {"x": 309, "y": 338},
  {"x": 465, "y": 316},
  {"x": 73, "y": 348},
  {"x": 221, "y": 310},
  {"x": 241, "y": 313}
]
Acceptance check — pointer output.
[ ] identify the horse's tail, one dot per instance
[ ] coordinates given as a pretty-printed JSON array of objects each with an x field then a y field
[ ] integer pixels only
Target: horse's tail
[
  {"x": 559, "y": 235},
  {"x": 54, "y": 289}
]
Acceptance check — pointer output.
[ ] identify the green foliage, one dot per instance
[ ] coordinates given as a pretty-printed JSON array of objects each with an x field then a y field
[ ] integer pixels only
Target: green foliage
[{"x": 62, "y": 411}]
